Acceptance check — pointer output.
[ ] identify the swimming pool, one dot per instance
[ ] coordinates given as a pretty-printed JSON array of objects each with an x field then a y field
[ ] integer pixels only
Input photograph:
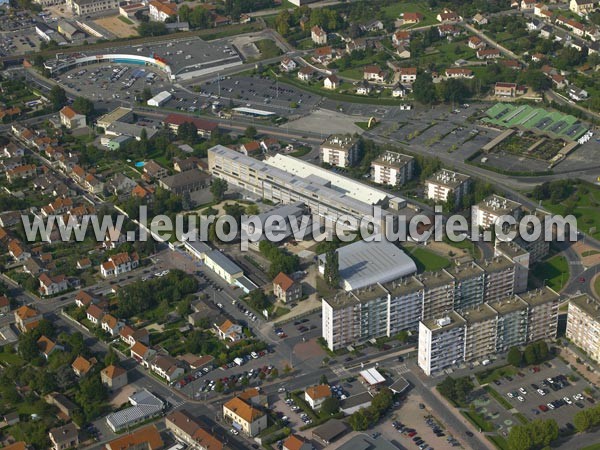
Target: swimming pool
[{"x": 140, "y": 164}]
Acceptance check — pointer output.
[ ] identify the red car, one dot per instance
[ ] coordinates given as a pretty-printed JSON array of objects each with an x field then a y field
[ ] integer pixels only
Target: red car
[
  {"x": 412, "y": 433},
  {"x": 582, "y": 280},
  {"x": 283, "y": 336},
  {"x": 543, "y": 408}
]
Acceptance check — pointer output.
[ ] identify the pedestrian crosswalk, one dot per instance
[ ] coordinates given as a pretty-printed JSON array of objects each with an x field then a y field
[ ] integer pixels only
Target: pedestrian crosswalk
[
  {"x": 401, "y": 368},
  {"x": 175, "y": 402},
  {"x": 340, "y": 371}
]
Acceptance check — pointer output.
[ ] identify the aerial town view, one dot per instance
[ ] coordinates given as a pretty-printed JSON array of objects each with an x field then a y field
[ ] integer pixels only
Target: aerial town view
[{"x": 299, "y": 224}]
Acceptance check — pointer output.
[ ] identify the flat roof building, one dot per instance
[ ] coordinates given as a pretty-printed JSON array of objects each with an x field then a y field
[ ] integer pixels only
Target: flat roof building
[
  {"x": 492, "y": 209},
  {"x": 340, "y": 150},
  {"x": 364, "y": 264},
  {"x": 446, "y": 182},
  {"x": 441, "y": 342},
  {"x": 583, "y": 324},
  {"x": 393, "y": 169},
  {"x": 285, "y": 180}
]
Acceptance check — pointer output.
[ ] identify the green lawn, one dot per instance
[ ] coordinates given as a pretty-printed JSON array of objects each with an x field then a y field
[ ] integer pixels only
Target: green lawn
[
  {"x": 268, "y": 48},
  {"x": 586, "y": 208},
  {"x": 11, "y": 359},
  {"x": 394, "y": 10},
  {"x": 592, "y": 447},
  {"x": 555, "y": 272},
  {"x": 125, "y": 20},
  {"x": 478, "y": 420},
  {"x": 489, "y": 375},
  {"x": 354, "y": 74},
  {"x": 499, "y": 442},
  {"x": 494, "y": 393},
  {"x": 467, "y": 245},
  {"x": 427, "y": 261}
]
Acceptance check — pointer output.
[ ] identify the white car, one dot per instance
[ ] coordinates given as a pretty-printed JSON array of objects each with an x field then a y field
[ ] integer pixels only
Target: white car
[
  {"x": 523, "y": 391},
  {"x": 541, "y": 392},
  {"x": 550, "y": 405},
  {"x": 521, "y": 399},
  {"x": 567, "y": 400},
  {"x": 510, "y": 395}
]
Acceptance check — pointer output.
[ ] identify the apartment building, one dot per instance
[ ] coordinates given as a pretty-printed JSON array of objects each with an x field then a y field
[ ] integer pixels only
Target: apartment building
[
  {"x": 520, "y": 257},
  {"x": 480, "y": 332},
  {"x": 499, "y": 279},
  {"x": 583, "y": 324},
  {"x": 405, "y": 306},
  {"x": 282, "y": 179},
  {"x": 512, "y": 323},
  {"x": 491, "y": 210},
  {"x": 393, "y": 169},
  {"x": 469, "y": 285},
  {"x": 441, "y": 342},
  {"x": 340, "y": 150},
  {"x": 244, "y": 417},
  {"x": 355, "y": 316},
  {"x": 85, "y": 7},
  {"x": 445, "y": 183},
  {"x": 542, "y": 313},
  {"x": 438, "y": 294}
]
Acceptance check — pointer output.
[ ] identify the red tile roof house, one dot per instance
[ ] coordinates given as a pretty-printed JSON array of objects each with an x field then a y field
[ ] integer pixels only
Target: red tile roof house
[
  {"x": 4, "y": 304},
  {"x": 27, "y": 318},
  {"x": 47, "y": 346},
  {"x": 167, "y": 367},
  {"x": 205, "y": 127},
  {"x": 118, "y": 264},
  {"x": 15, "y": 249},
  {"x": 250, "y": 148},
  {"x": 52, "y": 285},
  {"x": 373, "y": 73},
  {"x": 71, "y": 118},
  {"x": 131, "y": 335},
  {"x": 142, "y": 354},
  {"x": 111, "y": 324},
  {"x": 286, "y": 289},
  {"x": 229, "y": 331},
  {"x": 94, "y": 314}
]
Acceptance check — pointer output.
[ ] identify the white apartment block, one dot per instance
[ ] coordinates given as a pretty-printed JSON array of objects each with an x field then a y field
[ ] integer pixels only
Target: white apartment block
[
  {"x": 85, "y": 7},
  {"x": 445, "y": 183},
  {"x": 522, "y": 260},
  {"x": 393, "y": 169},
  {"x": 491, "y": 210},
  {"x": 386, "y": 309},
  {"x": 441, "y": 342},
  {"x": 542, "y": 314},
  {"x": 340, "y": 151},
  {"x": 583, "y": 324},
  {"x": 487, "y": 329}
]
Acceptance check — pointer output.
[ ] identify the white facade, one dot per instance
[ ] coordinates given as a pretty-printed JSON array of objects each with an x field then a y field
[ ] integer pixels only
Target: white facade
[
  {"x": 441, "y": 343},
  {"x": 339, "y": 151},
  {"x": 393, "y": 169}
]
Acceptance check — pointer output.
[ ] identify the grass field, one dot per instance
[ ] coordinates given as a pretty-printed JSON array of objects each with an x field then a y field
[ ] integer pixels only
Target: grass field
[
  {"x": 268, "y": 48},
  {"x": 592, "y": 447},
  {"x": 478, "y": 420},
  {"x": 554, "y": 270},
  {"x": 394, "y": 10},
  {"x": 426, "y": 260},
  {"x": 494, "y": 393},
  {"x": 488, "y": 376},
  {"x": 586, "y": 208},
  {"x": 125, "y": 20}
]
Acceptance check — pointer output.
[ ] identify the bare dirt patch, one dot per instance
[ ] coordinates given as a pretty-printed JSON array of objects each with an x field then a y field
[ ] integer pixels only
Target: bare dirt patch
[{"x": 117, "y": 27}]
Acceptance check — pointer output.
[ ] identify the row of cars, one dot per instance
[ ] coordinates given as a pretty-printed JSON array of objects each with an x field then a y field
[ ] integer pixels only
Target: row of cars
[
  {"x": 243, "y": 309},
  {"x": 191, "y": 377},
  {"x": 577, "y": 401},
  {"x": 411, "y": 433},
  {"x": 295, "y": 408}
]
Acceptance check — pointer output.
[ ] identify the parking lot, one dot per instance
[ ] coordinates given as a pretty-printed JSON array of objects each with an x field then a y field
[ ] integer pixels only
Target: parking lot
[
  {"x": 20, "y": 41},
  {"x": 535, "y": 405},
  {"x": 265, "y": 94}
]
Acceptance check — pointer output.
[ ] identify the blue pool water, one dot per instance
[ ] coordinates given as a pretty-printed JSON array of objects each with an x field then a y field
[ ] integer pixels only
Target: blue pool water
[{"x": 140, "y": 164}]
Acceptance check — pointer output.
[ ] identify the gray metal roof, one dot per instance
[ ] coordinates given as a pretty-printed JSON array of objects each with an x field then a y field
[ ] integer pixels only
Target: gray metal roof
[
  {"x": 224, "y": 262},
  {"x": 367, "y": 263},
  {"x": 144, "y": 406}
]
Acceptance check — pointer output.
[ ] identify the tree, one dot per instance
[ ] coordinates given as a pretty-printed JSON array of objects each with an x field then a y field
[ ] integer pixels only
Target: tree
[
  {"x": 323, "y": 379},
  {"x": 332, "y": 269},
  {"x": 219, "y": 387},
  {"x": 250, "y": 132},
  {"x": 383, "y": 400},
  {"x": 455, "y": 91},
  {"x": 218, "y": 189},
  {"x": 514, "y": 357},
  {"x": 537, "y": 80},
  {"x": 188, "y": 132},
  {"x": 58, "y": 97},
  {"x": 359, "y": 420},
  {"x": 83, "y": 106},
  {"x": 330, "y": 406},
  {"x": 582, "y": 421},
  {"x": 424, "y": 89},
  {"x": 529, "y": 355},
  {"x": 519, "y": 439},
  {"x": 152, "y": 29},
  {"x": 146, "y": 94},
  {"x": 111, "y": 357}
]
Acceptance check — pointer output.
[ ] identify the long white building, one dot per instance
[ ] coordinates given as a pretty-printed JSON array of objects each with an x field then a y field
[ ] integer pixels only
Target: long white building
[{"x": 289, "y": 180}]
